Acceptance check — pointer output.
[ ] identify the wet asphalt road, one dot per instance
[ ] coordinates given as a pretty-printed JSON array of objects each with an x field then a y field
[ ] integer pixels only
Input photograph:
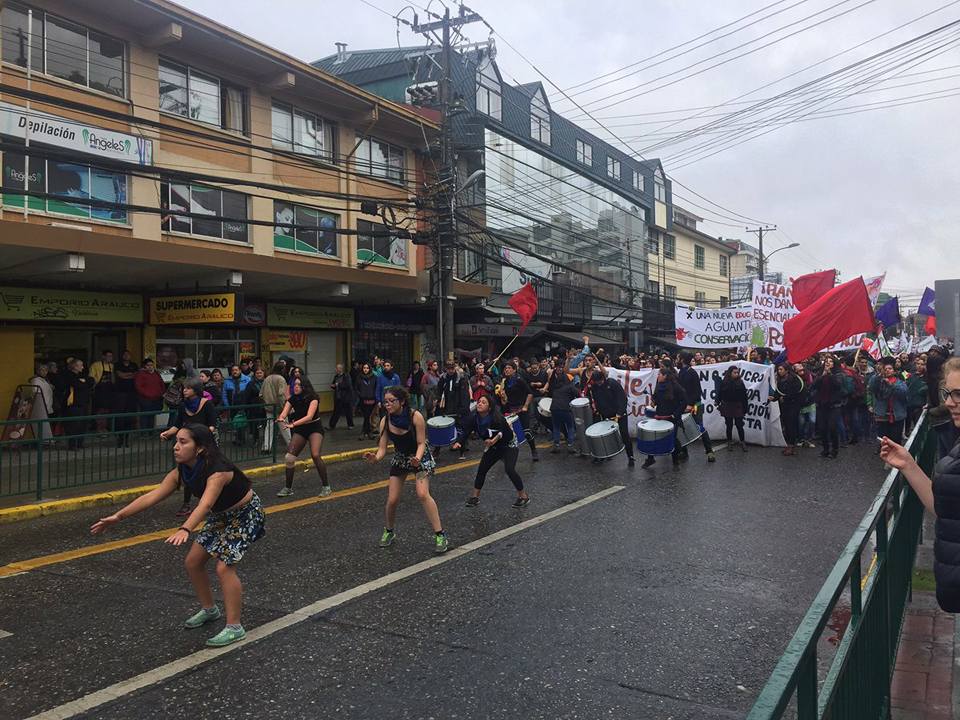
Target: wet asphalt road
[{"x": 672, "y": 598}]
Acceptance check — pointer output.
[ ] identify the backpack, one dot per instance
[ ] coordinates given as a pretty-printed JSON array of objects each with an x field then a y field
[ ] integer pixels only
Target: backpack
[{"x": 173, "y": 395}]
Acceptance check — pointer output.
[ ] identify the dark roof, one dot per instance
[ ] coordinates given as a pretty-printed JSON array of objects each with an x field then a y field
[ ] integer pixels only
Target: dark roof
[
  {"x": 529, "y": 89},
  {"x": 357, "y": 60}
]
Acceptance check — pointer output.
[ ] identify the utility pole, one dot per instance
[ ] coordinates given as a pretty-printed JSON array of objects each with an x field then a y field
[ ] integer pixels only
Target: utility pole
[
  {"x": 446, "y": 197},
  {"x": 759, "y": 233}
]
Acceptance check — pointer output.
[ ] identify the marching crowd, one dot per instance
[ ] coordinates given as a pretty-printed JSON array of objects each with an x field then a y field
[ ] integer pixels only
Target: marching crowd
[{"x": 838, "y": 399}]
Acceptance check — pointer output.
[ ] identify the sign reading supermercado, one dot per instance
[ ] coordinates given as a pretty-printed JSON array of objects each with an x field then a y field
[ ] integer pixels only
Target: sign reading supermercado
[
  {"x": 16, "y": 122},
  {"x": 69, "y": 306},
  {"x": 193, "y": 309},
  {"x": 713, "y": 327}
]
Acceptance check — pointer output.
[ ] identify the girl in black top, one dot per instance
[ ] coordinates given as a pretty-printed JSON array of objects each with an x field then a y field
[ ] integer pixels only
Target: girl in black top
[
  {"x": 499, "y": 443},
  {"x": 304, "y": 404},
  {"x": 194, "y": 409},
  {"x": 407, "y": 430},
  {"x": 229, "y": 511}
]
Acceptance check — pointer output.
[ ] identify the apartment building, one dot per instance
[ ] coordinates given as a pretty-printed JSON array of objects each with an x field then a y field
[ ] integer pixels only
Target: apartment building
[{"x": 178, "y": 189}]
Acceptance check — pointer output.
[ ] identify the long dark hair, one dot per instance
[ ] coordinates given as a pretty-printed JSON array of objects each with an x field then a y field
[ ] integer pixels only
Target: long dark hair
[
  {"x": 207, "y": 448},
  {"x": 308, "y": 394}
]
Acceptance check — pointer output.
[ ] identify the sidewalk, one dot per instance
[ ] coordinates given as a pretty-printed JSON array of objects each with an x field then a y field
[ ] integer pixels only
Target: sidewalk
[
  {"x": 923, "y": 680},
  {"x": 339, "y": 445}
]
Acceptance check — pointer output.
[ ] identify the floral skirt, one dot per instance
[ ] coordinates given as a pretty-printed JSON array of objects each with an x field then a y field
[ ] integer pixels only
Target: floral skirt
[
  {"x": 400, "y": 465},
  {"x": 228, "y": 534}
]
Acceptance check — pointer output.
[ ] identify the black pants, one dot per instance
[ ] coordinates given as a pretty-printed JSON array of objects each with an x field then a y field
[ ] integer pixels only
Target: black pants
[
  {"x": 828, "y": 419},
  {"x": 790, "y": 422},
  {"x": 730, "y": 423},
  {"x": 341, "y": 408},
  {"x": 892, "y": 430},
  {"x": 625, "y": 435},
  {"x": 490, "y": 458},
  {"x": 525, "y": 424},
  {"x": 126, "y": 402},
  {"x": 367, "y": 410},
  {"x": 74, "y": 428}
]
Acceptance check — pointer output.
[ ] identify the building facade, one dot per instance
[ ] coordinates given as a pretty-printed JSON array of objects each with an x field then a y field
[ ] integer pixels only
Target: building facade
[
  {"x": 177, "y": 189},
  {"x": 744, "y": 269}
]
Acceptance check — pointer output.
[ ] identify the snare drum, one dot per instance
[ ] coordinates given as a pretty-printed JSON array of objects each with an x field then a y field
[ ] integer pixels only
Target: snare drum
[
  {"x": 543, "y": 406},
  {"x": 603, "y": 439},
  {"x": 514, "y": 422},
  {"x": 689, "y": 430},
  {"x": 441, "y": 430},
  {"x": 655, "y": 437}
]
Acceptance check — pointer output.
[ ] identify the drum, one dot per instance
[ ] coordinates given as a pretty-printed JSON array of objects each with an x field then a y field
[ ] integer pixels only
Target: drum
[
  {"x": 473, "y": 406},
  {"x": 514, "y": 422},
  {"x": 441, "y": 430},
  {"x": 689, "y": 430},
  {"x": 655, "y": 437},
  {"x": 603, "y": 439},
  {"x": 543, "y": 406},
  {"x": 582, "y": 417}
]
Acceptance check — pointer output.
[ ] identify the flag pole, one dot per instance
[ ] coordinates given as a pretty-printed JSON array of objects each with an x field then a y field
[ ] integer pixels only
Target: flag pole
[{"x": 504, "y": 350}]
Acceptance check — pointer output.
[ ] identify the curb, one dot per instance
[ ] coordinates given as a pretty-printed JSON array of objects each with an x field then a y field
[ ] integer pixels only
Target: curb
[{"x": 53, "y": 507}]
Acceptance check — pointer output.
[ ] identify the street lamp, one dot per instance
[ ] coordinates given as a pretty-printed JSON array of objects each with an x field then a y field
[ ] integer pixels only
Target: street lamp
[{"x": 762, "y": 260}]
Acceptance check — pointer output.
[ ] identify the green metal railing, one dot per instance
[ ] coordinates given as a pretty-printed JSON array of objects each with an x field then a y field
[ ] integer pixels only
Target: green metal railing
[
  {"x": 116, "y": 446},
  {"x": 856, "y": 682}
]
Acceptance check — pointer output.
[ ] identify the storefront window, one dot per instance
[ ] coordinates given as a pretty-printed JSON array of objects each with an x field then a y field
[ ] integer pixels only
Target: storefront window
[
  {"x": 394, "y": 346},
  {"x": 207, "y": 347}
]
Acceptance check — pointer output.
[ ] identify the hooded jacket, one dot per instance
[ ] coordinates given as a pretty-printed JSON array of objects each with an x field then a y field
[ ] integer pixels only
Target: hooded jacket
[{"x": 946, "y": 544}]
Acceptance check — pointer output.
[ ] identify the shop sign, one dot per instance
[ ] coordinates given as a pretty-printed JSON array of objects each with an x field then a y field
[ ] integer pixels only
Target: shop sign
[
  {"x": 309, "y": 316},
  {"x": 254, "y": 315},
  {"x": 391, "y": 320},
  {"x": 491, "y": 330},
  {"x": 287, "y": 340},
  {"x": 69, "y": 306},
  {"x": 193, "y": 309},
  {"x": 74, "y": 135}
]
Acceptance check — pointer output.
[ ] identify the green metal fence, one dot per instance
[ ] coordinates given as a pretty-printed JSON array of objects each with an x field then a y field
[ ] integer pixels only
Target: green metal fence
[
  {"x": 115, "y": 446},
  {"x": 856, "y": 682}
]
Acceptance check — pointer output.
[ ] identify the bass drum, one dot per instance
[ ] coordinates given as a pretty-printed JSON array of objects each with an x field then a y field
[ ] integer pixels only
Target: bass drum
[
  {"x": 603, "y": 439},
  {"x": 543, "y": 406},
  {"x": 689, "y": 430},
  {"x": 655, "y": 437},
  {"x": 441, "y": 430}
]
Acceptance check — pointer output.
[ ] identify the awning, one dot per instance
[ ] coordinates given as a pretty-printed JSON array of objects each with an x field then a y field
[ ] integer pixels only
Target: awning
[{"x": 596, "y": 341}]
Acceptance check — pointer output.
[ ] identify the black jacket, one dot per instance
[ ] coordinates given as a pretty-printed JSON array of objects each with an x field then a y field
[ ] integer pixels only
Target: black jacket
[
  {"x": 732, "y": 398},
  {"x": 497, "y": 424},
  {"x": 670, "y": 398},
  {"x": 690, "y": 382},
  {"x": 455, "y": 394},
  {"x": 790, "y": 391},
  {"x": 946, "y": 545},
  {"x": 367, "y": 387},
  {"x": 609, "y": 398}
]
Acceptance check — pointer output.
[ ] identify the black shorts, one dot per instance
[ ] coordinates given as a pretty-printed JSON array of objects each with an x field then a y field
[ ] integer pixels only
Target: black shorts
[{"x": 305, "y": 431}]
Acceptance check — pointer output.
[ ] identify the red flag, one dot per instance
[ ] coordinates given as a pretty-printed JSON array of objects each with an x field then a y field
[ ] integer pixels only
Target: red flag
[
  {"x": 807, "y": 289},
  {"x": 843, "y": 311},
  {"x": 930, "y": 328},
  {"x": 524, "y": 304}
]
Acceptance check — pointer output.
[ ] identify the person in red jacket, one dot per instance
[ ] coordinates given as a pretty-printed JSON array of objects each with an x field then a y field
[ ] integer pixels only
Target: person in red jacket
[{"x": 150, "y": 388}]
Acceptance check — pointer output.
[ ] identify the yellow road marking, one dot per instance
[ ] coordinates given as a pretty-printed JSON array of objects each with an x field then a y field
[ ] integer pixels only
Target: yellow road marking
[{"x": 22, "y": 566}]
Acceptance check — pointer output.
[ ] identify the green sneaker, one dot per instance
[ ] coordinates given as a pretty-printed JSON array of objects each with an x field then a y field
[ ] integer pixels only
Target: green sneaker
[
  {"x": 442, "y": 544},
  {"x": 203, "y": 617},
  {"x": 325, "y": 490},
  {"x": 386, "y": 540},
  {"x": 226, "y": 637}
]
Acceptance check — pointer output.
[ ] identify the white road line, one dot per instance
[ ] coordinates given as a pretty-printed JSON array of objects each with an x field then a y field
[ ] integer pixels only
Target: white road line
[
  {"x": 5, "y": 634},
  {"x": 165, "y": 672}
]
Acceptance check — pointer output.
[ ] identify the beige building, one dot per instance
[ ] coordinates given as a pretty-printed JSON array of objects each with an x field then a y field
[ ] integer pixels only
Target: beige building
[
  {"x": 688, "y": 266},
  {"x": 176, "y": 188}
]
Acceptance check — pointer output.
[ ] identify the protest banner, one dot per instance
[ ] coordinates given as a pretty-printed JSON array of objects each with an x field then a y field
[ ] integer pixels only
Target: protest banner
[
  {"x": 712, "y": 327},
  {"x": 761, "y": 423}
]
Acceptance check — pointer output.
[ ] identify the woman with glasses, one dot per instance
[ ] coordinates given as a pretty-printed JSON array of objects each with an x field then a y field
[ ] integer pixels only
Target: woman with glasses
[
  {"x": 407, "y": 430},
  {"x": 941, "y": 496}
]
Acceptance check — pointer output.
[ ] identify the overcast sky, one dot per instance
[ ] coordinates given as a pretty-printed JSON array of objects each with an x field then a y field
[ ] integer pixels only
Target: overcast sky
[{"x": 866, "y": 192}]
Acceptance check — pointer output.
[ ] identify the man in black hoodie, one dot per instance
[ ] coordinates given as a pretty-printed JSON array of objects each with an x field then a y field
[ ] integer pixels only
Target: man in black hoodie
[
  {"x": 610, "y": 402},
  {"x": 455, "y": 399},
  {"x": 690, "y": 382}
]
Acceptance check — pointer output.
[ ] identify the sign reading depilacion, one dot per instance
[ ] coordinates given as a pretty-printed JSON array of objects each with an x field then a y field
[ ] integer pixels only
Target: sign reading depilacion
[
  {"x": 193, "y": 309},
  {"x": 16, "y": 122}
]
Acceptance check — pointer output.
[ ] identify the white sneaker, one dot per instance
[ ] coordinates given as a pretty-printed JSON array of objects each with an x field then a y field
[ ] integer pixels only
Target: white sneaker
[
  {"x": 325, "y": 490},
  {"x": 285, "y": 492}
]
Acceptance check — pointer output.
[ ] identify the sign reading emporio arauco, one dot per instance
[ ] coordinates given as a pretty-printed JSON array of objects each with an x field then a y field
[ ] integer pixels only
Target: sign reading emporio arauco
[{"x": 61, "y": 132}]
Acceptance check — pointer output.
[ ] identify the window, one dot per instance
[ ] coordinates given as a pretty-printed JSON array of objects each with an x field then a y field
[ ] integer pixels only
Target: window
[
  {"x": 637, "y": 181},
  {"x": 724, "y": 301},
  {"x": 653, "y": 286},
  {"x": 304, "y": 229},
  {"x": 698, "y": 257},
  {"x": 228, "y": 211},
  {"x": 659, "y": 189},
  {"x": 653, "y": 242},
  {"x": 584, "y": 153},
  {"x": 380, "y": 159},
  {"x": 539, "y": 118},
  {"x": 613, "y": 168},
  {"x": 724, "y": 265},
  {"x": 71, "y": 181},
  {"x": 488, "y": 91},
  {"x": 201, "y": 97},
  {"x": 301, "y": 132},
  {"x": 670, "y": 292},
  {"x": 670, "y": 247},
  {"x": 63, "y": 49},
  {"x": 207, "y": 347},
  {"x": 376, "y": 244},
  {"x": 700, "y": 297}
]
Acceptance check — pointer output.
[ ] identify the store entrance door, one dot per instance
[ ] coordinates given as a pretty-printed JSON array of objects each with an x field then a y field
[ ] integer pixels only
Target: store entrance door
[{"x": 115, "y": 342}]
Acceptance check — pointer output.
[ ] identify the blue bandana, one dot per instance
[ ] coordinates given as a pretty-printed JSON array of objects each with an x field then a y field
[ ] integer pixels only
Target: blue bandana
[{"x": 401, "y": 421}]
